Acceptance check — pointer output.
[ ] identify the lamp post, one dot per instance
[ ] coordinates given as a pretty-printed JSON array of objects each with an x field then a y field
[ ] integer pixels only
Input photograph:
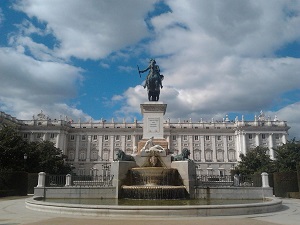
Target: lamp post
[{"x": 25, "y": 159}]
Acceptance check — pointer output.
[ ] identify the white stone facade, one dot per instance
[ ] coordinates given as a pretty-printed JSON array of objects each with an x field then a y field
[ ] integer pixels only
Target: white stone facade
[{"x": 215, "y": 146}]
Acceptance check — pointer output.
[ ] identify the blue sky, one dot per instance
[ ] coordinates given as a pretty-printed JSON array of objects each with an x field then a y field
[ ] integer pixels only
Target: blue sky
[{"x": 79, "y": 58}]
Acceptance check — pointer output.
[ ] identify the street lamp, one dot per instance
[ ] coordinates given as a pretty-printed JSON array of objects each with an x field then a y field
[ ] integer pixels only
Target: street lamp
[{"x": 25, "y": 158}]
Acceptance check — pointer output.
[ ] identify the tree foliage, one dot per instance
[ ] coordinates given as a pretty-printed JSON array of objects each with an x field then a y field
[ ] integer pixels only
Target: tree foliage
[
  {"x": 287, "y": 156},
  {"x": 41, "y": 156},
  {"x": 255, "y": 161}
]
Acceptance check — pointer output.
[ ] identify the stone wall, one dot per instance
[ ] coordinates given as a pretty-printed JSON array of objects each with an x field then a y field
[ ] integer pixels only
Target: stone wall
[{"x": 233, "y": 193}]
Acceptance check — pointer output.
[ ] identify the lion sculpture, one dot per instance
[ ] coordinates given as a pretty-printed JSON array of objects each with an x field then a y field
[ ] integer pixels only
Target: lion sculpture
[
  {"x": 121, "y": 156},
  {"x": 183, "y": 156}
]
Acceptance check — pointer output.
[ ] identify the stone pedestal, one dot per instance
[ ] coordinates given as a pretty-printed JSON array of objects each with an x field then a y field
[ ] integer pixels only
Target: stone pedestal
[
  {"x": 187, "y": 171},
  {"x": 119, "y": 169},
  {"x": 153, "y": 120}
]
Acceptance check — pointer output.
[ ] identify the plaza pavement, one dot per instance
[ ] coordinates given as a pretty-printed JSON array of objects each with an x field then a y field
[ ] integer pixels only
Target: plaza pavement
[{"x": 13, "y": 212}]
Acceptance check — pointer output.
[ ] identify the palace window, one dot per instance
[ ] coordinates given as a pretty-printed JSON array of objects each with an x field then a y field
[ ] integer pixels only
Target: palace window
[
  {"x": 208, "y": 155},
  {"x": 185, "y": 137},
  {"x": 263, "y": 136},
  {"x": 197, "y": 155},
  {"x": 95, "y": 137},
  {"x": 220, "y": 155},
  {"x": 94, "y": 155},
  {"x": 128, "y": 137},
  {"x": 83, "y": 137},
  {"x": 207, "y": 138},
  {"x": 82, "y": 156},
  {"x": 52, "y": 135},
  {"x": 231, "y": 155},
  {"x": 174, "y": 137},
  {"x": 105, "y": 155},
  {"x": 219, "y": 138},
  {"x": 72, "y": 138},
  {"x": 25, "y": 136},
  {"x": 196, "y": 138},
  {"x": 230, "y": 138},
  {"x": 71, "y": 156},
  {"x": 105, "y": 137},
  {"x": 250, "y": 136},
  {"x": 81, "y": 171},
  {"x": 117, "y": 137}
]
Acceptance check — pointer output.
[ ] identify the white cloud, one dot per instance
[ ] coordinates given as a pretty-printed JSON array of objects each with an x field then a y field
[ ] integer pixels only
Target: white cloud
[
  {"x": 219, "y": 56},
  {"x": 291, "y": 114},
  {"x": 28, "y": 85},
  {"x": 91, "y": 29}
]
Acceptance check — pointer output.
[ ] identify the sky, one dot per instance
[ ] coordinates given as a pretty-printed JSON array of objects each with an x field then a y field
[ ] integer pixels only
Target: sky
[{"x": 79, "y": 58}]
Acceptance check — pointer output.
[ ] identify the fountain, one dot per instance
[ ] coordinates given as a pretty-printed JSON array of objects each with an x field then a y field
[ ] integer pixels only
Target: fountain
[
  {"x": 150, "y": 174},
  {"x": 153, "y": 181}
]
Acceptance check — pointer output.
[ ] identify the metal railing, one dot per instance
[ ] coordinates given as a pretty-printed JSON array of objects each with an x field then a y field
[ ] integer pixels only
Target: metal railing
[
  {"x": 213, "y": 181},
  {"x": 93, "y": 181},
  {"x": 79, "y": 181},
  {"x": 55, "y": 180}
]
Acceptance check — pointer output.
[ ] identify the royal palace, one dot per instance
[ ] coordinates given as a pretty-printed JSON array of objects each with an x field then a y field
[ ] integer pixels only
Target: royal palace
[{"x": 215, "y": 146}]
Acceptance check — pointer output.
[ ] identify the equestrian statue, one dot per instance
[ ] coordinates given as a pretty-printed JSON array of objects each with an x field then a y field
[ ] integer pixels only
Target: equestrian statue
[{"x": 153, "y": 80}]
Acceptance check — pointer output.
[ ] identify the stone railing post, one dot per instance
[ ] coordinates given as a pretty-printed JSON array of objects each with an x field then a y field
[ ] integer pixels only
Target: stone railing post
[
  {"x": 236, "y": 180},
  {"x": 41, "y": 180},
  {"x": 68, "y": 180},
  {"x": 265, "y": 179}
]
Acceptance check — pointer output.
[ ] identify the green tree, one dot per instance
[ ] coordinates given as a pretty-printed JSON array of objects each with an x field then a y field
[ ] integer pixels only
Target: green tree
[
  {"x": 12, "y": 149},
  {"x": 255, "y": 161},
  {"x": 45, "y": 157},
  {"x": 288, "y": 156},
  {"x": 41, "y": 156}
]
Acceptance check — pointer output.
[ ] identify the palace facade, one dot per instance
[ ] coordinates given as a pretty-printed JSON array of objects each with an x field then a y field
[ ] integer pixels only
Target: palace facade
[{"x": 215, "y": 146}]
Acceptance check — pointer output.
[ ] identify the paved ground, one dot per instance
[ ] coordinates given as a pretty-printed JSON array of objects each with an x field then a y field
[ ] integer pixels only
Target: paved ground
[{"x": 13, "y": 212}]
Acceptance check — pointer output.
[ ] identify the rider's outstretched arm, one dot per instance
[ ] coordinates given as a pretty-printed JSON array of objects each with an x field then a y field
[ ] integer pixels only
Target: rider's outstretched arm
[{"x": 142, "y": 71}]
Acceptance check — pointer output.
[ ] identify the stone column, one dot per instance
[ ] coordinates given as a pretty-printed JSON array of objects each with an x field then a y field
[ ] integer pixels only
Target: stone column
[
  {"x": 68, "y": 180},
  {"x": 41, "y": 179},
  {"x": 265, "y": 180},
  {"x": 168, "y": 140},
  {"x": 45, "y": 136},
  {"x": 123, "y": 142},
  {"x": 236, "y": 180},
  {"x": 271, "y": 146},
  {"x": 77, "y": 148},
  {"x": 100, "y": 147},
  {"x": 244, "y": 146},
  {"x": 191, "y": 146},
  {"x": 202, "y": 148},
  {"x": 88, "y": 150},
  {"x": 213, "y": 146},
  {"x": 225, "y": 143},
  {"x": 238, "y": 145},
  {"x": 112, "y": 141},
  {"x": 134, "y": 140},
  {"x": 257, "y": 139},
  {"x": 31, "y": 137},
  {"x": 283, "y": 138},
  {"x": 57, "y": 144},
  {"x": 179, "y": 144}
]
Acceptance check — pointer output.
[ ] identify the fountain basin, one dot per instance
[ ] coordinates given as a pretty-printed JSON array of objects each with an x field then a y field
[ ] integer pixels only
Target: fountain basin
[
  {"x": 154, "y": 176},
  {"x": 154, "y": 192},
  {"x": 270, "y": 205}
]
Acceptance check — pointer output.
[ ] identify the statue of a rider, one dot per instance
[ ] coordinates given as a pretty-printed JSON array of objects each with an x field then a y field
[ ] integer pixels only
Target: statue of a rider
[{"x": 154, "y": 71}]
